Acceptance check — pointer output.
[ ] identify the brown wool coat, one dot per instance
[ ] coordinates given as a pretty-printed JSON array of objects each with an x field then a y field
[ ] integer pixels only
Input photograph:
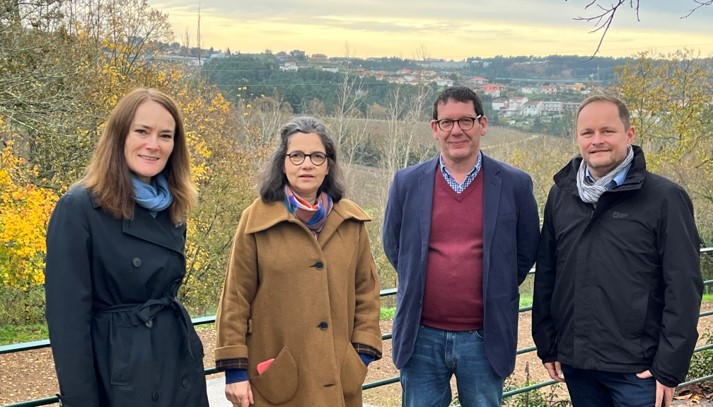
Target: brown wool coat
[{"x": 303, "y": 302}]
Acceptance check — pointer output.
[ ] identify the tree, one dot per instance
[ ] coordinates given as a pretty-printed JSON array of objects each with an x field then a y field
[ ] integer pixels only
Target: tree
[
  {"x": 406, "y": 115},
  {"x": 669, "y": 98},
  {"x": 349, "y": 124},
  {"x": 604, "y": 16},
  {"x": 224, "y": 170},
  {"x": 64, "y": 64},
  {"x": 128, "y": 31},
  {"x": 24, "y": 210}
]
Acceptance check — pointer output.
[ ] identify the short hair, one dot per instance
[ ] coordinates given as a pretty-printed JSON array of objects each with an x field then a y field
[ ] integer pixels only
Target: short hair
[
  {"x": 620, "y": 105},
  {"x": 272, "y": 181},
  {"x": 459, "y": 94},
  {"x": 108, "y": 175}
]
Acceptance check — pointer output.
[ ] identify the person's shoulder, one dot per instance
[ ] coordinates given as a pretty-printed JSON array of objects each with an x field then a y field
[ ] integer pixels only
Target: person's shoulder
[
  {"x": 350, "y": 210},
  {"x": 660, "y": 180},
  {"x": 261, "y": 215},
  {"x": 76, "y": 196},
  {"x": 254, "y": 205},
  {"x": 507, "y": 169},
  {"x": 417, "y": 168},
  {"x": 663, "y": 186}
]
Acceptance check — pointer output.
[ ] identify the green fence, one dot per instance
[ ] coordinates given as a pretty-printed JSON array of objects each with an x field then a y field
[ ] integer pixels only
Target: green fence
[{"x": 25, "y": 346}]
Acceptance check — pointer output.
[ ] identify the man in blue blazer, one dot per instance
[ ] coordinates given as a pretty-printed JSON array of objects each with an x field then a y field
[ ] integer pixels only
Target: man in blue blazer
[{"x": 461, "y": 230}]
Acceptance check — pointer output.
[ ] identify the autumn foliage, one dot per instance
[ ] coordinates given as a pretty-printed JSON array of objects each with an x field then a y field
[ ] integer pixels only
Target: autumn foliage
[{"x": 24, "y": 211}]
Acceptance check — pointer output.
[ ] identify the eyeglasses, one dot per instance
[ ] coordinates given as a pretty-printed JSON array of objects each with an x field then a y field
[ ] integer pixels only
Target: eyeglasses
[
  {"x": 465, "y": 123},
  {"x": 298, "y": 157}
]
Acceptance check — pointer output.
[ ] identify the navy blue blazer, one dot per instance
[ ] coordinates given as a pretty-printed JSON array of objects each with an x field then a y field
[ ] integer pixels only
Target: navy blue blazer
[{"x": 510, "y": 234}]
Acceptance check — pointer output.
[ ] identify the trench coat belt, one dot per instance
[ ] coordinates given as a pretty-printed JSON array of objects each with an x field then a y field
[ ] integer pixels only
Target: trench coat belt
[{"x": 145, "y": 313}]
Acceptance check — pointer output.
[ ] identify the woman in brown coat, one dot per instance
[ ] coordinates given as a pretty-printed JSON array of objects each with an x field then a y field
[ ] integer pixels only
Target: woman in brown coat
[{"x": 298, "y": 320}]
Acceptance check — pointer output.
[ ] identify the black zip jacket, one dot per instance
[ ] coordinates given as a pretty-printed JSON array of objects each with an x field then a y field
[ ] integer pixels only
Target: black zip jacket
[{"x": 618, "y": 285}]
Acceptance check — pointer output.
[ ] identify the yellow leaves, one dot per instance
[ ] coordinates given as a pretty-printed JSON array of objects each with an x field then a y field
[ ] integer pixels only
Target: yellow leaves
[
  {"x": 669, "y": 98},
  {"x": 200, "y": 153},
  {"x": 24, "y": 211},
  {"x": 219, "y": 104}
]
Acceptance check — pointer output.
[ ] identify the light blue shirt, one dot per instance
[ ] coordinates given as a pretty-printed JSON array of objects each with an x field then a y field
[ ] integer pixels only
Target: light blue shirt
[
  {"x": 616, "y": 181},
  {"x": 468, "y": 178}
]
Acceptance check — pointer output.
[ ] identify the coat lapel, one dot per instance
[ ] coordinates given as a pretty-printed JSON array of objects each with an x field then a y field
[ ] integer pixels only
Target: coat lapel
[
  {"x": 425, "y": 207},
  {"x": 159, "y": 231},
  {"x": 492, "y": 185}
]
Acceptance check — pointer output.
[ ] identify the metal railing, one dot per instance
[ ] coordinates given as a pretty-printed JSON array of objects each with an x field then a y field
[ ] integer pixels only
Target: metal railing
[{"x": 26, "y": 346}]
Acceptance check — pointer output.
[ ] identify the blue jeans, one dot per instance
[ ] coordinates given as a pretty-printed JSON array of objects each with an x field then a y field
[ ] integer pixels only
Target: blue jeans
[
  {"x": 437, "y": 356},
  {"x": 608, "y": 389}
]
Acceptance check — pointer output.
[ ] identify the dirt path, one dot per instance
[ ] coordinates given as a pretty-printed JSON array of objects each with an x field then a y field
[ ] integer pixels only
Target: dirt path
[{"x": 30, "y": 375}]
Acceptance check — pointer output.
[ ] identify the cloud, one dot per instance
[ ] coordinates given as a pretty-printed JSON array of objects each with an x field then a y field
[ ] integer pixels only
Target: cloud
[{"x": 458, "y": 29}]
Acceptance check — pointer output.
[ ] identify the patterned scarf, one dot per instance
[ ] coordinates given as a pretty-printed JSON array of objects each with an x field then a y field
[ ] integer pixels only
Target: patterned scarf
[
  {"x": 590, "y": 192},
  {"x": 313, "y": 216},
  {"x": 155, "y": 196}
]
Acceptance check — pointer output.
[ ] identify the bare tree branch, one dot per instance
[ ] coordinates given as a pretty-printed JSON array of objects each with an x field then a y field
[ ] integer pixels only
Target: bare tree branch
[
  {"x": 603, "y": 18},
  {"x": 700, "y": 3}
]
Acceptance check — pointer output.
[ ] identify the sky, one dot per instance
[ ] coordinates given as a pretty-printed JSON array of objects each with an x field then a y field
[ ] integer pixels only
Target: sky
[{"x": 451, "y": 30}]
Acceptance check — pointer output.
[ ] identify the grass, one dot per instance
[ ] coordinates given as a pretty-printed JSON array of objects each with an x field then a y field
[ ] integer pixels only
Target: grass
[
  {"x": 25, "y": 333},
  {"x": 387, "y": 314},
  {"x": 707, "y": 297},
  {"x": 525, "y": 300}
]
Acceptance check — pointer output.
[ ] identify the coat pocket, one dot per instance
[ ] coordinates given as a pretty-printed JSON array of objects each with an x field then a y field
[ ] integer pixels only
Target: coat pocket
[
  {"x": 278, "y": 384},
  {"x": 120, "y": 354},
  {"x": 353, "y": 372}
]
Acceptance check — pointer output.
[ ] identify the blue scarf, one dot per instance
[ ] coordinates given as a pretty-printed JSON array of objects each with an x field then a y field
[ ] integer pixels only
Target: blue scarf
[{"x": 155, "y": 196}]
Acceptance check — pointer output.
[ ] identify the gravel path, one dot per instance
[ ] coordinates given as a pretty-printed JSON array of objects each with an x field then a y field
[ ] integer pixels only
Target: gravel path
[{"x": 30, "y": 375}]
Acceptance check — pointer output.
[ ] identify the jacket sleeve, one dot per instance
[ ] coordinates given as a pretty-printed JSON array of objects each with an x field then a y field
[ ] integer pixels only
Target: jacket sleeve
[
  {"x": 528, "y": 230},
  {"x": 68, "y": 290},
  {"x": 239, "y": 290},
  {"x": 391, "y": 233},
  {"x": 544, "y": 331},
  {"x": 678, "y": 246},
  {"x": 367, "y": 307}
]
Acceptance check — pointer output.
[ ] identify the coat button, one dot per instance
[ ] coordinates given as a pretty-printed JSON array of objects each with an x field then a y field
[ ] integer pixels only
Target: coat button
[
  {"x": 319, "y": 265},
  {"x": 154, "y": 396},
  {"x": 136, "y": 262},
  {"x": 186, "y": 383},
  {"x": 323, "y": 326},
  {"x": 149, "y": 323}
]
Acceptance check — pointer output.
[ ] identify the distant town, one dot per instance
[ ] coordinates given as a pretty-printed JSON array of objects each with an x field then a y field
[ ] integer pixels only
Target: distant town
[{"x": 513, "y": 88}]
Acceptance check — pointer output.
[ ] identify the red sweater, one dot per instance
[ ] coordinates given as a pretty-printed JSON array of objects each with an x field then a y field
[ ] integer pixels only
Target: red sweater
[{"x": 453, "y": 297}]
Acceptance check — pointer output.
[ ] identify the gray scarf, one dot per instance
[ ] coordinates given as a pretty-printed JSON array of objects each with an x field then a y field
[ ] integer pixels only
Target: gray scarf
[{"x": 590, "y": 192}]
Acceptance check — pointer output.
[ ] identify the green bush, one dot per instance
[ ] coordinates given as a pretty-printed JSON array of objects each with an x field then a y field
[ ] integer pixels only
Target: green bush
[
  {"x": 22, "y": 306},
  {"x": 542, "y": 397},
  {"x": 702, "y": 362}
]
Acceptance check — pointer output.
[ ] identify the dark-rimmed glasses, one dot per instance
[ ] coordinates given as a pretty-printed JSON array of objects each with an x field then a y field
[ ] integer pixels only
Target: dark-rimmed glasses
[
  {"x": 298, "y": 157},
  {"x": 465, "y": 123}
]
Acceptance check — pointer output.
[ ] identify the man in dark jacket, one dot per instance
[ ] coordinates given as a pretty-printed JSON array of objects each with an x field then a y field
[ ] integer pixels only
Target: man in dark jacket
[{"x": 618, "y": 283}]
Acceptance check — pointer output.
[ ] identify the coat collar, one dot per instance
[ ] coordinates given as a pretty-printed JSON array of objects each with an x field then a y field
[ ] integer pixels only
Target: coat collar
[
  {"x": 567, "y": 176},
  {"x": 264, "y": 215},
  {"x": 159, "y": 231}
]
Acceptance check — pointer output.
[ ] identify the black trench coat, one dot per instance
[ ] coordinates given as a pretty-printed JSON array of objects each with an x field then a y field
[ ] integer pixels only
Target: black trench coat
[{"x": 119, "y": 336}]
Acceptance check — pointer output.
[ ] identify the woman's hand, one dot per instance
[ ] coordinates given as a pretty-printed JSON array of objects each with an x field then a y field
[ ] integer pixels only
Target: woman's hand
[{"x": 240, "y": 393}]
